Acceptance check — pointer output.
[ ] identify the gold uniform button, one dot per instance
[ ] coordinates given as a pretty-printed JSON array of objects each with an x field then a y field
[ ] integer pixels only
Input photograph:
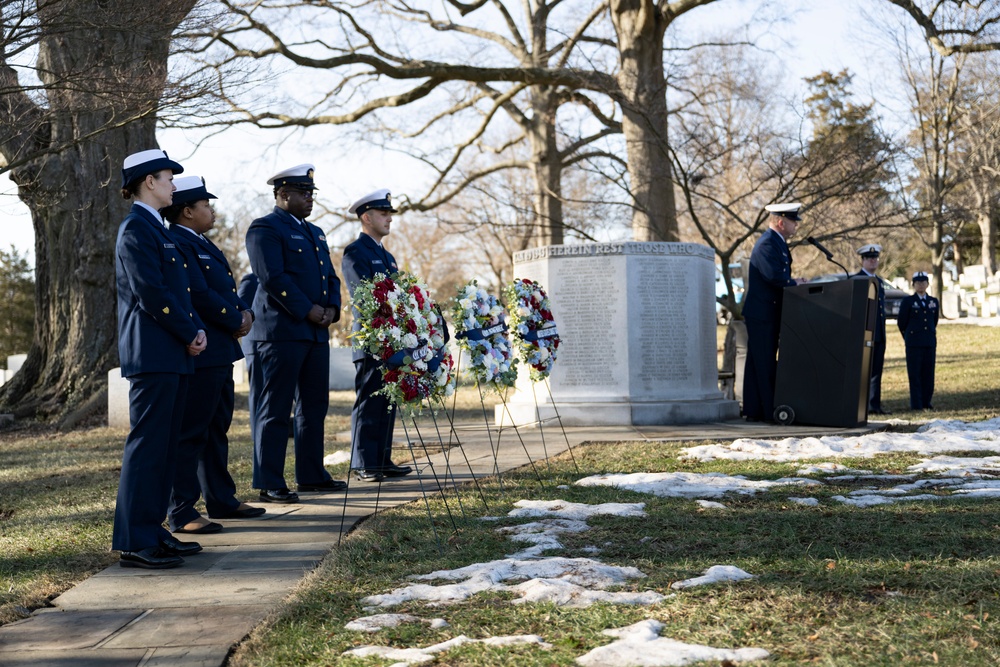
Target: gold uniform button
[
  {"x": 206, "y": 267},
  {"x": 173, "y": 259},
  {"x": 185, "y": 265},
  {"x": 234, "y": 289},
  {"x": 230, "y": 273},
  {"x": 321, "y": 262},
  {"x": 300, "y": 249},
  {"x": 324, "y": 292},
  {"x": 166, "y": 310},
  {"x": 284, "y": 294},
  {"x": 317, "y": 248},
  {"x": 223, "y": 311},
  {"x": 189, "y": 289}
]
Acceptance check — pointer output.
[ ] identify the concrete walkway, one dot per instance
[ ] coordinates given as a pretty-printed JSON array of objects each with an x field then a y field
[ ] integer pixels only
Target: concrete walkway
[{"x": 193, "y": 615}]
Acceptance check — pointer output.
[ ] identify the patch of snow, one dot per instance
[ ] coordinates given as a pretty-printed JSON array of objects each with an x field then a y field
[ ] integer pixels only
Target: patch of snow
[
  {"x": 416, "y": 656},
  {"x": 809, "y": 502},
  {"x": 962, "y": 466},
  {"x": 381, "y": 621},
  {"x": 877, "y": 499},
  {"x": 566, "y": 594},
  {"x": 338, "y": 457},
  {"x": 568, "y": 510},
  {"x": 480, "y": 577},
  {"x": 640, "y": 645},
  {"x": 711, "y": 505},
  {"x": 563, "y": 486},
  {"x": 541, "y": 535},
  {"x": 689, "y": 484},
  {"x": 829, "y": 467},
  {"x": 935, "y": 437},
  {"x": 714, "y": 575}
]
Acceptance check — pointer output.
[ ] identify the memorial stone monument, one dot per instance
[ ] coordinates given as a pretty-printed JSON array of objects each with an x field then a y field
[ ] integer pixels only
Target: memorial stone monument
[{"x": 638, "y": 340}]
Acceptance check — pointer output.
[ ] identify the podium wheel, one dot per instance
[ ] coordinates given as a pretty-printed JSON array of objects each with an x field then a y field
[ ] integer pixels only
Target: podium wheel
[{"x": 784, "y": 415}]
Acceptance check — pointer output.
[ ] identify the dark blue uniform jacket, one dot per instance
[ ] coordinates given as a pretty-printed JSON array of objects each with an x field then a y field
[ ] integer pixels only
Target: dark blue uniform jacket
[
  {"x": 292, "y": 263},
  {"x": 770, "y": 273},
  {"x": 156, "y": 319},
  {"x": 918, "y": 323},
  {"x": 213, "y": 293}
]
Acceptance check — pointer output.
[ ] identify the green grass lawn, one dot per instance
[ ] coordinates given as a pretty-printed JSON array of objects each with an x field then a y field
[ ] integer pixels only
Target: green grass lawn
[{"x": 901, "y": 584}]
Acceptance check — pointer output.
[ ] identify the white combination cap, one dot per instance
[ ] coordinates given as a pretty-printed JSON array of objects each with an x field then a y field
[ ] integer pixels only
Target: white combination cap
[{"x": 380, "y": 199}]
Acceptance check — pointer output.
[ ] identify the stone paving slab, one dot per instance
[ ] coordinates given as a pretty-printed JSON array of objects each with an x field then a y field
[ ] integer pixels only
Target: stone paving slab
[
  {"x": 188, "y": 627},
  {"x": 178, "y": 589},
  {"x": 53, "y": 629}
]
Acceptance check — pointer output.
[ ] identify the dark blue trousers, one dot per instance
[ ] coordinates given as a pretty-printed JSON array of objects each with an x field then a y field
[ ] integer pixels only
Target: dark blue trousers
[
  {"x": 203, "y": 451},
  {"x": 760, "y": 369},
  {"x": 372, "y": 418},
  {"x": 875, "y": 383},
  {"x": 156, "y": 410},
  {"x": 920, "y": 370},
  {"x": 287, "y": 372}
]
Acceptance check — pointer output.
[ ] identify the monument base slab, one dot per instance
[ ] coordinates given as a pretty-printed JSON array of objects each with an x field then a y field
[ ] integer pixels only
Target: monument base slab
[{"x": 619, "y": 413}]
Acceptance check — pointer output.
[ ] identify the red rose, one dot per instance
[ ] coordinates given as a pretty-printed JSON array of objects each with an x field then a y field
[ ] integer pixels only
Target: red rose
[
  {"x": 384, "y": 310},
  {"x": 411, "y": 326},
  {"x": 391, "y": 376}
]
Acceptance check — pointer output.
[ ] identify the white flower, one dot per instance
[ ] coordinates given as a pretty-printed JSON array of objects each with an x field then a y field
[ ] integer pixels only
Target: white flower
[{"x": 409, "y": 340}]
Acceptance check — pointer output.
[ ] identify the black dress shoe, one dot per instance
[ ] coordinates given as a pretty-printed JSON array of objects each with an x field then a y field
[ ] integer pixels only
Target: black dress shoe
[
  {"x": 278, "y": 496},
  {"x": 248, "y": 513},
  {"x": 152, "y": 558},
  {"x": 171, "y": 545},
  {"x": 368, "y": 475},
  {"x": 210, "y": 527},
  {"x": 328, "y": 485},
  {"x": 396, "y": 471}
]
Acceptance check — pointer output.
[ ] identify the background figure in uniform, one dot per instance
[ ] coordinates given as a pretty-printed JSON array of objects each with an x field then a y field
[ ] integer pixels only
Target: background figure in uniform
[
  {"x": 373, "y": 417},
  {"x": 159, "y": 335},
  {"x": 203, "y": 451},
  {"x": 918, "y": 319},
  {"x": 869, "y": 264},
  {"x": 770, "y": 273},
  {"x": 247, "y": 290},
  {"x": 297, "y": 300}
]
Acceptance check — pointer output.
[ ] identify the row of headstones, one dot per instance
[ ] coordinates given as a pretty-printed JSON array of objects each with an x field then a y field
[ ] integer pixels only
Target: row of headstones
[
  {"x": 341, "y": 379},
  {"x": 975, "y": 294},
  {"x": 14, "y": 363}
]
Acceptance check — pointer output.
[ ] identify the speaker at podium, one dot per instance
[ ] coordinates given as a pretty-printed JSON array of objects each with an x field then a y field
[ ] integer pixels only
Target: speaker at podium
[{"x": 824, "y": 353}]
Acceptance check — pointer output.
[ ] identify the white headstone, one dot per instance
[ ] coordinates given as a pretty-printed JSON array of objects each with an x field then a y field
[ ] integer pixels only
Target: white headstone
[
  {"x": 341, "y": 369},
  {"x": 15, "y": 361},
  {"x": 975, "y": 275},
  {"x": 951, "y": 304},
  {"x": 118, "y": 399},
  {"x": 638, "y": 339}
]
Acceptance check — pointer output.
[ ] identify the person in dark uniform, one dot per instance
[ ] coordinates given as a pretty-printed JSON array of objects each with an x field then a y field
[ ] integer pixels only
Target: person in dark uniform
[
  {"x": 870, "y": 253},
  {"x": 918, "y": 319},
  {"x": 297, "y": 300},
  {"x": 770, "y": 273},
  {"x": 373, "y": 417},
  {"x": 203, "y": 452},
  {"x": 247, "y": 290},
  {"x": 159, "y": 334}
]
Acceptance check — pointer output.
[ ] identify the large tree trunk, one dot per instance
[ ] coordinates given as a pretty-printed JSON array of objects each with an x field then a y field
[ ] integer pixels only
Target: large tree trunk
[
  {"x": 547, "y": 168},
  {"x": 640, "y": 27},
  {"x": 103, "y": 66}
]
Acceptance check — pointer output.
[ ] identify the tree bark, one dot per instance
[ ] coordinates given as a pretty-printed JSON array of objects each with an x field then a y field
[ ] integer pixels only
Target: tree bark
[
  {"x": 103, "y": 68},
  {"x": 640, "y": 27},
  {"x": 547, "y": 168}
]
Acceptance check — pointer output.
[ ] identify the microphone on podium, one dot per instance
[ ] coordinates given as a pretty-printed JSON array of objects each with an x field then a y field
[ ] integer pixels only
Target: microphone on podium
[{"x": 810, "y": 240}]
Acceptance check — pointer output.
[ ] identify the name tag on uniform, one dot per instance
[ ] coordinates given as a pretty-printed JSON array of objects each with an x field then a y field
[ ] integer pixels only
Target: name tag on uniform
[
  {"x": 297, "y": 237},
  {"x": 376, "y": 261},
  {"x": 171, "y": 246},
  {"x": 204, "y": 257}
]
